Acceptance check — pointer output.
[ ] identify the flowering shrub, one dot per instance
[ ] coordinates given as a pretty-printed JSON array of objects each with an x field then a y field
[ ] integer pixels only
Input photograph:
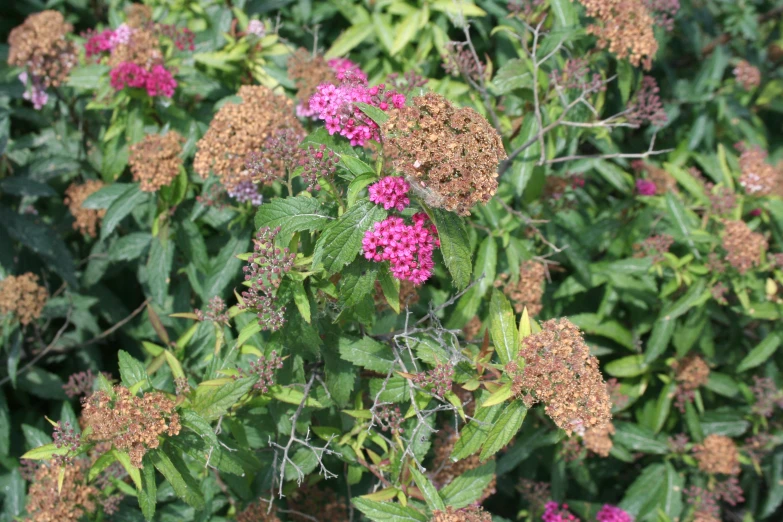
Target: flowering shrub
[{"x": 450, "y": 261}]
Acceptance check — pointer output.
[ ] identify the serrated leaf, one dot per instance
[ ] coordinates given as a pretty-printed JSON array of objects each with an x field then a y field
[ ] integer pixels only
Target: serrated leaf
[
  {"x": 504, "y": 429},
  {"x": 367, "y": 353},
  {"x": 498, "y": 396},
  {"x": 121, "y": 207},
  {"x": 659, "y": 339},
  {"x": 474, "y": 434},
  {"x": 453, "y": 245},
  {"x": 148, "y": 493},
  {"x": 374, "y": 113},
  {"x": 387, "y": 511},
  {"x": 468, "y": 487},
  {"x": 341, "y": 240},
  {"x": 133, "y": 471},
  {"x": 131, "y": 369},
  {"x": 178, "y": 476},
  {"x": 292, "y": 215},
  {"x": 629, "y": 366},
  {"x": 349, "y": 39},
  {"x": 294, "y": 396},
  {"x": 210, "y": 402},
  {"x": 503, "y": 328},
  {"x": 431, "y": 496}
]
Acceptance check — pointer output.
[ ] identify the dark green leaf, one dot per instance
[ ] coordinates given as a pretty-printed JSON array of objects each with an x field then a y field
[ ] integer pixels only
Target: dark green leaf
[
  {"x": 504, "y": 429},
  {"x": 292, "y": 215},
  {"x": 172, "y": 467},
  {"x": 387, "y": 511},
  {"x": 453, "y": 245},
  {"x": 126, "y": 203},
  {"x": 468, "y": 487},
  {"x": 367, "y": 353},
  {"x": 341, "y": 240}
]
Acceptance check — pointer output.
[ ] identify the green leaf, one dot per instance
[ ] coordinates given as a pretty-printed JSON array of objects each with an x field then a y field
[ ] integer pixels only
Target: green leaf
[
  {"x": 695, "y": 295},
  {"x": 340, "y": 376},
  {"x": 104, "y": 197},
  {"x": 45, "y": 452},
  {"x": 129, "y": 247},
  {"x": 351, "y": 38},
  {"x": 406, "y": 31},
  {"x": 5, "y": 426},
  {"x": 596, "y": 325},
  {"x": 360, "y": 170},
  {"x": 387, "y": 511},
  {"x": 87, "y": 76},
  {"x": 341, "y": 240},
  {"x": 103, "y": 462},
  {"x": 391, "y": 288},
  {"x": 159, "y": 264},
  {"x": 639, "y": 438},
  {"x": 374, "y": 113},
  {"x": 504, "y": 429},
  {"x": 453, "y": 245},
  {"x": 431, "y": 496},
  {"x": 503, "y": 327},
  {"x": 22, "y": 186},
  {"x": 684, "y": 221},
  {"x": 148, "y": 493},
  {"x": 133, "y": 471},
  {"x": 174, "y": 470},
  {"x": 131, "y": 370},
  {"x": 475, "y": 433},
  {"x": 645, "y": 493},
  {"x": 294, "y": 396},
  {"x": 514, "y": 74},
  {"x": 760, "y": 354},
  {"x": 367, "y": 353},
  {"x": 659, "y": 340},
  {"x": 14, "y": 498},
  {"x": 126, "y": 203},
  {"x": 358, "y": 183},
  {"x": 465, "y": 8},
  {"x": 292, "y": 215},
  {"x": 212, "y": 401},
  {"x": 468, "y": 487},
  {"x": 499, "y": 396},
  {"x": 357, "y": 281},
  {"x": 774, "y": 479},
  {"x": 722, "y": 384},
  {"x": 301, "y": 300},
  {"x": 629, "y": 366},
  {"x": 565, "y": 13},
  {"x": 522, "y": 169},
  {"x": 486, "y": 265}
]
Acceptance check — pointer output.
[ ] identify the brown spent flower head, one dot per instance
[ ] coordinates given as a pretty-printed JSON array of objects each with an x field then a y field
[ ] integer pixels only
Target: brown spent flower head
[
  {"x": 599, "y": 439},
  {"x": 308, "y": 72},
  {"x": 40, "y": 47},
  {"x": 560, "y": 372},
  {"x": 449, "y": 155},
  {"x": 625, "y": 27},
  {"x": 321, "y": 503},
  {"x": 747, "y": 75},
  {"x": 241, "y": 128},
  {"x": 86, "y": 220},
  {"x": 743, "y": 246},
  {"x": 138, "y": 15},
  {"x": 130, "y": 422},
  {"x": 48, "y": 503},
  {"x": 473, "y": 328},
  {"x": 528, "y": 291},
  {"x": 717, "y": 454},
  {"x": 692, "y": 372},
  {"x": 258, "y": 511},
  {"x": 23, "y": 296},
  {"x": 654, "y": 247},
  {"x": 143, "y": 49},
  {"x": 758, "y": 178},
  {"x": 445, "y": 469},
  {"x": 155, "y": 161},
  {"x": 466, "y": 514}
]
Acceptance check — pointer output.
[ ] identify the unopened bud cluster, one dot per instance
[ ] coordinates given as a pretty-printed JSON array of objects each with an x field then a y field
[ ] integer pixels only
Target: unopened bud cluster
[
  {"x": 265, "y": 269},
  {"x": 155, "y": 161},
  {"x": 691, "y": 373},
  {"x": 23, "y": 297},
  {"x": 264, "y": 367},
  {"x": 390, "y": 419},
  {"x": 65, "y": 436},
  {"x": 215, "y": 312},
  {"x": 646, "y": 107},
  {"x": 86, "y": 220},
  {"x": 654, "y": 247},
  {"x": 440, "y": 378},
  {"x": 459, "y": 60},
  {"x": 81, "y": 383}
]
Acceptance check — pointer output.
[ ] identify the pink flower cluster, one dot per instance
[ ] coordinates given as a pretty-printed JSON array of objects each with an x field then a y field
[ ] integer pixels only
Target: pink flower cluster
[
  {"x": 107, "y": 40},
  {"x": 346, "y": 69},
  {"x": 612, "y": 514},
  {"x": 645, "y": 187},
  {"x": 336, "y": 105},
  {"x": 408, "y": 248},
  {"x": 158, "y": 82},
  {"x": 391, "y": 192},
  {"x": 553, "y": 512}
]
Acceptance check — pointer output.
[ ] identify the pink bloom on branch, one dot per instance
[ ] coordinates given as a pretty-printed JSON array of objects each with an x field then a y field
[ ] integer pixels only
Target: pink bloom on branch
[
  {"x": 408, "y": 248},
  {"x": 556, "y": 513},
  {"x": 121, "y": 35},
  {"x": 158, "y": 82},
  {"x": 610, "y": 513},
  {"x": 645, "y": 187},
  {"x": 391, "y": 192},
  {"x": 346, "y": 69},
  {"x": 98, "y": 43},
  {"x": 647, "y": 106}
]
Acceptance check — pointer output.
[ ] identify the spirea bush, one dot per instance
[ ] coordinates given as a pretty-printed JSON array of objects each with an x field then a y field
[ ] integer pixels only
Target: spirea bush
[{"x": 421, "y": 260}]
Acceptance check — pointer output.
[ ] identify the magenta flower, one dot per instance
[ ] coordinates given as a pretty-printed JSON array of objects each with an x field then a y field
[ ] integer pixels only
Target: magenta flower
[
  {"x": 158, "y": 82},
  {"x": 121, "y": 35},
  {"x": 612, "y": 514},
  {"x": 408, "y": 248},
  {"x": 391, "y": 192},
  {"x": 556, "y": 513},
  {"x": 98, "y": 43},
  {"x": 645, "y": 187},
  {"x": 346, "y": 69}
]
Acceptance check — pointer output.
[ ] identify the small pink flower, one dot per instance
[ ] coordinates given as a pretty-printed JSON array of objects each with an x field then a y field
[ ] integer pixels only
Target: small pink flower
[
  {"x": 408, "y": 248},
  {"x": 391, "y": 192},
  {"x": 158, "y": 82},
  {"x": 755, "y": 212},
  {"x": 556, "y": 513},
  {"x": 645, "y": 187},
  {"x": 612, "y": 514}
]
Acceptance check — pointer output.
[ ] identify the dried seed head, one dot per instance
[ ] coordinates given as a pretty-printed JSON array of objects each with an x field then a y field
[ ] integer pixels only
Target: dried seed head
[
  {"x": 536, "y": 494},
  {"x": 143, "y": 49},
  {"x": 747, "y": 75},
  {"x": 320, "y": 503},
  {"x": 46, "y": 502},
  {"x": 241, "y": 128},
  {"x": 599, "y": 439},
  {"x": 717, "y": 454},
  {"x": 258, "y": 511},
  {"x": 654, "y": 247},
  {"x": 528, "y": 290},
  {"x": 449, "y": 155},
  {"x": 308, "y": 72},
  {"x": 560, "y": 372},
  {"x": 23, "y": 296},
  {"x": 467, "y": 514},
  {"x": 758, "y": 178},
  {"x": 39, "y": 47},
  {"x": 691, "y": 373},
  {"x": 86, "y": 220},
  {"x": 472, "y": 329},
  {"x": 155, "y": 161},
  {"x": 130, "y": 422},
  {"x": 743, "y": 246},
  {"x": 138, "y": 15}
]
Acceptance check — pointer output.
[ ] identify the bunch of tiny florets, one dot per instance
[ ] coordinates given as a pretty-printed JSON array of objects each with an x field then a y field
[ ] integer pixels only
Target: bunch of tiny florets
[
  {"x": 743, "y": 246},
  {"x": 86, "y": 220},
  {"x": 156, "y": 160},
  {"x": 528, "y": 290},
  {"x": 449, "y": 155},
  {"x": 23, "y": 297}
]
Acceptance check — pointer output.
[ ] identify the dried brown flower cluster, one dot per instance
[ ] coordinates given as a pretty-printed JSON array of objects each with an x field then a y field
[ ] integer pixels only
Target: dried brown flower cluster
[
  {"x": 599, "y": 439},
  {"x": 528, "y": 291},
  {"x": 743, "y": 246},
  {"x": 468, "y": 514},
  {"x": 473, "y": 328},
  {"x": 308, "y": 72},
  {"x": 241, "y": 128},
  {"x": 155, "y": 161},
  {"x": 654, "y": 247},
  {"x": 449, "y": 155},
  {"x": 446, "y": 470},
  {"x": 747, "y": 75},
  {"x": 560, "y": 372},
  {"x": 138, "y": 15},
  {"x": 40, "y": 47},
  {"x": 759, "y": 178},
  {"x": 22, "y": 296},
  {"x": 130, "y": 422},
  {"x": 48, "y": 503},
  {"x": 625, "y": 27},
  {"x": 143, "y": 49},
  {"x": 691, "y": 373},
  {"x": 258, "y": 511},
  {"x": 717, "y": 454},
  {"x": 86, "y": 220},
  {"x": 321, "y": 503}
]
